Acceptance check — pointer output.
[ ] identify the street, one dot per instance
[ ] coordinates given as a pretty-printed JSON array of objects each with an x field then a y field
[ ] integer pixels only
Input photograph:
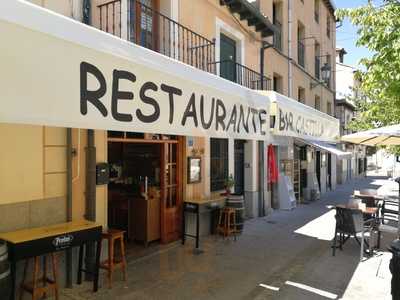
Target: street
[{"x": 286, "y": 255}]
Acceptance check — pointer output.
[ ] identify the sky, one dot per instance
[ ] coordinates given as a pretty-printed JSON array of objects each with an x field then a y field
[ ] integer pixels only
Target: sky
[{"x": 346, "y": 35}]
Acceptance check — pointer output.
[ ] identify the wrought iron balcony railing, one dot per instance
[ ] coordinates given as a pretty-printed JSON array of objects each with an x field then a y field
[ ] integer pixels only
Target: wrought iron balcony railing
[
  {"x": 242, "y": 75},
  {"x": 142, "y": 25}
]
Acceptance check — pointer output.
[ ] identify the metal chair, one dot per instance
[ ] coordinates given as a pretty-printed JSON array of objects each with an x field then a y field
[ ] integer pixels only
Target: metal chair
[
  {"x": 388, "y": 218},
  {"x": 349, "y": 223}
]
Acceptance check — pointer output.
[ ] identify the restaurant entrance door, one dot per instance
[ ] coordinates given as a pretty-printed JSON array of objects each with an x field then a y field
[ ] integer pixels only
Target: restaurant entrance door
[{"x": 145, "y": 189}]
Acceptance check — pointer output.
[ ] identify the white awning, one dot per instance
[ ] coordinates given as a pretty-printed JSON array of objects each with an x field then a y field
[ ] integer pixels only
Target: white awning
[
  {"x": 73, "y": 75},
  {"x": 328, "y": 147},
  {"x": 298, "y": 120}
]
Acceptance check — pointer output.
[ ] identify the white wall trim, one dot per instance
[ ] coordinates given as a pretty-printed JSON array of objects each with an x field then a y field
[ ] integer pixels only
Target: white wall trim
[{"x": 222, "y": 27}]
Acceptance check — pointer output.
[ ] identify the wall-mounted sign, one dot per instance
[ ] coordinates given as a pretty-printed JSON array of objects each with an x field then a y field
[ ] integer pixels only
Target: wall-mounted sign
[
  {"x": 81, "y": 77},
  {"x": 298, "y": 120},
  {"x": 194, "y": 170}
]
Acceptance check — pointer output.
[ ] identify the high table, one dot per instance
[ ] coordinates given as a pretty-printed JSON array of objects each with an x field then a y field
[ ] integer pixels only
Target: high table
[
  {"x": 193, "y": 206},
  {"x": 27, "y": 243}
]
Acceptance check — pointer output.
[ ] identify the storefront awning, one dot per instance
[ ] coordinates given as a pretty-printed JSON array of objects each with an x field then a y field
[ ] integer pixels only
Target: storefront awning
[
  {"x": 294, "y": 119},
  {"x": 328, "y": 147},
  {"x": 73, "y": 75}
]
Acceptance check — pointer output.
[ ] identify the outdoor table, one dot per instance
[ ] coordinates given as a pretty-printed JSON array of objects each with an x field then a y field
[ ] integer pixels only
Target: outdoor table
[
  {"x": 193, "y": 206},
  {"x": 28, "y": 243},
  {"x": 368, "y": 196},
  {"x": 373, "y": 211}
]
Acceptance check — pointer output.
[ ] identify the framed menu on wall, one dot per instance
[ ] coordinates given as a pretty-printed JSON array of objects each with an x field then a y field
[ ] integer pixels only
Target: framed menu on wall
[{"x": 194, "y": 169}]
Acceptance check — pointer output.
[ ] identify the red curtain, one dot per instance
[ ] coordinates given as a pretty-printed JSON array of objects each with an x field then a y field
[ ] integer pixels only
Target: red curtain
[{"x": 272, "y": 165}]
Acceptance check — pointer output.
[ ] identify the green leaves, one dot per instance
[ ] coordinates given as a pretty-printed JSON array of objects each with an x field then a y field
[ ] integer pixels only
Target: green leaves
[{"x": 378, "y": 29}]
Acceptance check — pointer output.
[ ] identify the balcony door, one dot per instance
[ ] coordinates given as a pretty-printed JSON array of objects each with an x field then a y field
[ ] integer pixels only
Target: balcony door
[
  {"x": 228, "y": 58},
  {"x": 143, "y": 25}
]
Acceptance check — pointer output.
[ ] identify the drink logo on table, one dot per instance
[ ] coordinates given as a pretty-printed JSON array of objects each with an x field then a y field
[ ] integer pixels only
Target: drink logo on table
[{"x": 63, "y": 241}]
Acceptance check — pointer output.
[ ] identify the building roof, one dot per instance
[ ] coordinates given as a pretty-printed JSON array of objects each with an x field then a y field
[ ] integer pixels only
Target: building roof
[
  {"x": 330, "y": 5},
  {"x": 344, "y": 102}
]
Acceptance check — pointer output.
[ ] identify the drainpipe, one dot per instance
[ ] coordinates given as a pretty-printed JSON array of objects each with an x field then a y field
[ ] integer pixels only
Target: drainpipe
[
  {"x": 68, "y": 259},
  {"x": 90, "y": 210},
  {"x": 290, "y": 67},
  {"x": 265, "y": 45}
]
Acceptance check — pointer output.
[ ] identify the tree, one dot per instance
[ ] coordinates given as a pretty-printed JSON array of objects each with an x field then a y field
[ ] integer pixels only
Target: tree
[{"x": 378, "y": 31}]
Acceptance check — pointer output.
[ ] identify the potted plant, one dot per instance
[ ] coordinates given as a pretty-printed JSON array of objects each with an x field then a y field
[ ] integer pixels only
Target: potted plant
[{"x": 229, "y": 183}]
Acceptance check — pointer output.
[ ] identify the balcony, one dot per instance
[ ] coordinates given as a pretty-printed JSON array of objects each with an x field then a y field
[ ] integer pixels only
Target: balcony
[
  {"x": 301, "y": 53},
  {"x": 278, "y": 35},
  {"x": 144, "y": 26},
  {"x": 242, "y": 75}
]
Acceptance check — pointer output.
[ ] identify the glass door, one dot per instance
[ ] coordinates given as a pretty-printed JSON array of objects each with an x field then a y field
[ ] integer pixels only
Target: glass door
[
  {"x": 143, "y": 29},
  {"x": 171, "y": 192}
]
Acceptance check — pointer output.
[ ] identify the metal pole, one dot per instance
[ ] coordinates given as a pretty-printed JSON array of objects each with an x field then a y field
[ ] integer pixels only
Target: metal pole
[
  {"x": 90, "y": 211},
  {"x": 68, "y": 259}
]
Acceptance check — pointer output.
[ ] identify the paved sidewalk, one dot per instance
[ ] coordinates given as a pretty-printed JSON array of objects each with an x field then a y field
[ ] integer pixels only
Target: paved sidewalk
[{"x": 285, "y": 255}]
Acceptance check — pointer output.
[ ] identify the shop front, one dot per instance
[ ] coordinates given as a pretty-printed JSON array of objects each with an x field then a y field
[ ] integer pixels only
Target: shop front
[
  {"x": 103, "y": 130},
  {"x": 306, "y": 139}
]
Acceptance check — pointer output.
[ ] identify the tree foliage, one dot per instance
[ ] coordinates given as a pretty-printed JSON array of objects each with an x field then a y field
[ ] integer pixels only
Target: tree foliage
[{"x": 379, "y": 31}]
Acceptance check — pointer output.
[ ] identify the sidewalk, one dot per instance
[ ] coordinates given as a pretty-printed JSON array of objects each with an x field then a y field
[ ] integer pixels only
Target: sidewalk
[{"x": 285, "y": 255}]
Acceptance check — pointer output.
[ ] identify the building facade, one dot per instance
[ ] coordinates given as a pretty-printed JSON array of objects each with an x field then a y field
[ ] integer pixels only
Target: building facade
[
  {"x": 346, "y": 92},
  {"x": 48, "y": 170}
]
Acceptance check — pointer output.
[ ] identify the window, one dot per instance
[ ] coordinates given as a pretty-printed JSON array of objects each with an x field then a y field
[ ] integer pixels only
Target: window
[
  {"x": 328, "y": 25},
  {"x": 301, "y": 95},
  {"x": 300, "y": 44},
  {"x": 276, "y": 18},
  {"x": 219, "y": 163},
  {"x": 277, "y": 83},
  {"x": 316, "y": 11},
  {"x": 328, "y": 61},
  {"x": 317, "y": 61},
  {"x": 317, "y": 103},
  {"x": 329, "y": 108}
]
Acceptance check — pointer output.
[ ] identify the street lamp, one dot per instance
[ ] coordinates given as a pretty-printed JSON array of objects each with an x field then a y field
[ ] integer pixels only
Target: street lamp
[{"x": 325, "y": 74}]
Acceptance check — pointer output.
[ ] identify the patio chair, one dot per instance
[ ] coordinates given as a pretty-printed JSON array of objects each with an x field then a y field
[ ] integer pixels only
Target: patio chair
[
  {"x": 388, "y": 218},
  {"x": 350, "y": 223}
]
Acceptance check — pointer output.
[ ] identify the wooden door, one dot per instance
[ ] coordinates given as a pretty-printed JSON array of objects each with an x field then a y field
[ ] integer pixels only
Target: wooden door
[
  {"x": 227, "y": 58},
  {"x": 144, "y": 23},
  {"x": 171, "y": 192}
]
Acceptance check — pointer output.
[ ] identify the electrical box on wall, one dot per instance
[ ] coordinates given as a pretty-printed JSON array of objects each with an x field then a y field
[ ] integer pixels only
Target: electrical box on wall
[{"x": 102, "y": 173}]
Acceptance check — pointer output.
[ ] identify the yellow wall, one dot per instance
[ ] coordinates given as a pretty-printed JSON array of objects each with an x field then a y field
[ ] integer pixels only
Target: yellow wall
[{"x": 21, "y": 163}]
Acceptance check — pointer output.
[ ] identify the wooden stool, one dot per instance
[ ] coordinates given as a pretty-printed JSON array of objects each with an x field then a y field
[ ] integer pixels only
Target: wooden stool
[
  {"x": 113, "y": 235},
  {"x": 227, "y": 222},
  {"x": 40, "y": 286}
]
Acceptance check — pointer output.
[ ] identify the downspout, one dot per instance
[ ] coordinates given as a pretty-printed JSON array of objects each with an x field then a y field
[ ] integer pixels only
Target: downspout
[
  {"x": 68, "y": 259},
  {"x": 290, "y": 67},
  {"x": 264, "y": 45},
  {"x": 90, "y": 191}
]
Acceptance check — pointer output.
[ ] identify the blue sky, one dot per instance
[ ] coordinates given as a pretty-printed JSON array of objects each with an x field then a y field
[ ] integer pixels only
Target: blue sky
[{"x": 346, "y": 35}]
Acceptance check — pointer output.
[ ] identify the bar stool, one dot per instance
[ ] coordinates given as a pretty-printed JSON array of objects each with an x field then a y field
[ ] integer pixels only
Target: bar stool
[
  {"x": 113, "y": 235},
  {"x": 40, "y": 285},
  {"x": 227, "y": 222}
]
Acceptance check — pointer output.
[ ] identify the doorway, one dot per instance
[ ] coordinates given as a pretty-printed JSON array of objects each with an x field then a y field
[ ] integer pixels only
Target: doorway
[
  {"x": 318, "y": 167},
  {"x": 227, "y": 58},
  {"x": 145, "y": 189},
  {"x": 239, "y": 167},
  {"x": 143, "y": 29}
]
